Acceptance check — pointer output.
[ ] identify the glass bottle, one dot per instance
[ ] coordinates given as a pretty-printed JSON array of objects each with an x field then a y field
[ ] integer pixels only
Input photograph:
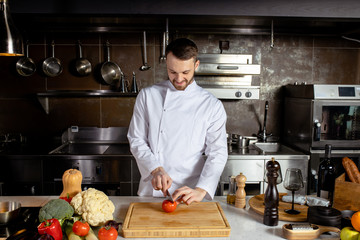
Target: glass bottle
[
  {"x": 231, "y": 196},
  {"x": 326, "y": 176}
]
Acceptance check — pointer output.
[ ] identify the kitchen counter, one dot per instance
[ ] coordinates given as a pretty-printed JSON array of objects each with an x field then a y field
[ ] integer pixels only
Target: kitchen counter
[{"x": 245, "y": 223}]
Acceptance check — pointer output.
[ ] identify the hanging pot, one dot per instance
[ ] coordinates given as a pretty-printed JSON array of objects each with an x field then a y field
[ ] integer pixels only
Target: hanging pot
[
  {"x": 82, "y": 65},
  {"x": 110, "y": 71},
  {"x": 25, "y": 66},
  {"x": 52, "y": 66}
]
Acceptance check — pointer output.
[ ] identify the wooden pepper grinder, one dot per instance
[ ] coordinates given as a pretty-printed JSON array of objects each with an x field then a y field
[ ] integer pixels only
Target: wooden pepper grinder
[
  {"x": 271, "y": 198},
  {"x": 240, "y": 201}
]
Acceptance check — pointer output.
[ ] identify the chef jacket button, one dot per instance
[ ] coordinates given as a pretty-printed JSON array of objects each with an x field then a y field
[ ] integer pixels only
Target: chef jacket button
[{"x": 164, "y": 110}]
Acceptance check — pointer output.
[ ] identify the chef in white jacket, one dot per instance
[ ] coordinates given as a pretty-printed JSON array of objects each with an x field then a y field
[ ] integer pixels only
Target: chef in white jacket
[{"x": 177, "y": 133}]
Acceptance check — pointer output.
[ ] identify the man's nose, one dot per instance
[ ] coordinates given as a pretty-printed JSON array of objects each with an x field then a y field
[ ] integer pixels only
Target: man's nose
[{"x": 179, "y": 77}]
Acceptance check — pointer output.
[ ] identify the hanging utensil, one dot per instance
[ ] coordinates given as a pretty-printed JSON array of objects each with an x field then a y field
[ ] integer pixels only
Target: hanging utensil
[
  {"x": 167, "y": 32},
  {"x": 134, "y": 87},
  {"x": 82, "y": 65},
  {"x": 25, "y": 66},
  {"x": 145, "y": 66},
  {"x": 163, "y": 57},
  {"x": 110, "y": 71},
  {"x": 52, "y": 66},
  {"x": 123, "y": 84}
]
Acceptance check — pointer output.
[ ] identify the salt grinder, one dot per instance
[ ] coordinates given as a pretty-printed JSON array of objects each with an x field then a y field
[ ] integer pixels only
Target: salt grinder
[
  {"x": 271, "y": 198},
  {"x": 240, "y": 201}
]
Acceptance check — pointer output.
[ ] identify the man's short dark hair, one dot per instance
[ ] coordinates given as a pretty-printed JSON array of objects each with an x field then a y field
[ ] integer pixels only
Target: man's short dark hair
[{"x": 182, "y": 48}]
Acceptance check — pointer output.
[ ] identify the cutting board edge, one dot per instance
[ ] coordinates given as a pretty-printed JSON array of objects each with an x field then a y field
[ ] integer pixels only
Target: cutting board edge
[
  {"x": 127, "y": 217},
  {"x": 170, "y": 233},
  {"x": 223, "y": 215}
]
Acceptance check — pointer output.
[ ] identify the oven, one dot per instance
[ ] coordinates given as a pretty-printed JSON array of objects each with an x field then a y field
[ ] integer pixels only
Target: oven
[
  {"x": 228, "y": 76},
  {"x": 320, "y": 114}
]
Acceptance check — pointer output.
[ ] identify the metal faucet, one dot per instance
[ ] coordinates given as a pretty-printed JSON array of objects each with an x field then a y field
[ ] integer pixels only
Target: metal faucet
[{"x": 262, "y": 136}]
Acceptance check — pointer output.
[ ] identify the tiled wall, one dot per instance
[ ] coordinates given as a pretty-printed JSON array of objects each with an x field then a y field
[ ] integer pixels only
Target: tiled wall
[{"x": 292, "y": 59}]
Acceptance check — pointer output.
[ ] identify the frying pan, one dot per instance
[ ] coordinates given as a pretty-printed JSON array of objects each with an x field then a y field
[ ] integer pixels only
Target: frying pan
[
  {"x": 25, "y": 66},
  {"x": 52, "y": 66},
  {"x": 82, "y": 65},
  {"x": 110, "y": 71}
]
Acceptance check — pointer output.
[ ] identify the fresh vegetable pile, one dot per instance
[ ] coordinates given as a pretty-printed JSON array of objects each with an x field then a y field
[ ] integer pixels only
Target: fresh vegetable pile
[{"x": 74, "y": 215}]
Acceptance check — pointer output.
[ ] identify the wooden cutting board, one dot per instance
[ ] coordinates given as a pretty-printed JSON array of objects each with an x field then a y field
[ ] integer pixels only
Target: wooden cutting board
[
  {"x": 148, "y": 220},
  {"x": 257, "y": 204}
]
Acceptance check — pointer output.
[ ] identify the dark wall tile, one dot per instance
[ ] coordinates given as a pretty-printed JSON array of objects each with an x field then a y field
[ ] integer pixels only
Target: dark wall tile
[
  {"x": 292, "y": 59},
  {"x": 336, "y": 66}
]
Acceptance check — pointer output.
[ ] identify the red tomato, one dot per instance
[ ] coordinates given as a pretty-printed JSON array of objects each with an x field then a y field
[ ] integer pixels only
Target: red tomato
[
  {"x": 81, "y": 228},
  {"x": 169, "y": 206},
  {"x": 107, "y": 233}
]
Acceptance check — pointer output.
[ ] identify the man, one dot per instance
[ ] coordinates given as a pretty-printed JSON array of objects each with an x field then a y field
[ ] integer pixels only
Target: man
[{"x": 175, "y": 122}]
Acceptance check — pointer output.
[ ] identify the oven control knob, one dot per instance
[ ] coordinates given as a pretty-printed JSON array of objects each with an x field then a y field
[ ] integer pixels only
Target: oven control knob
[
  {"x": 248, "y": 94},
  {"x": 238, "y": 94}
]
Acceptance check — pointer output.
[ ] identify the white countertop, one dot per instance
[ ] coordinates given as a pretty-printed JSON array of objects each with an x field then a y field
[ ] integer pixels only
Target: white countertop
[{"x": 244, "y": 223}]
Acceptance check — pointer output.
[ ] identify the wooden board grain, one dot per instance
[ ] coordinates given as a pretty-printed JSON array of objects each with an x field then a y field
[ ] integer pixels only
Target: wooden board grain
[
  {"x": 257, "y": 204},
  {"x": 148, "y": 220}
]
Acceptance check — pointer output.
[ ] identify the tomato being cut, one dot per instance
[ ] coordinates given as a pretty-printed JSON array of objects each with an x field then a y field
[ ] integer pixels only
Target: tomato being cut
[
  {"x": 107, "y": 233},
  {"x": 81, "y": 228},
  {"x": 169, "y": 206}
]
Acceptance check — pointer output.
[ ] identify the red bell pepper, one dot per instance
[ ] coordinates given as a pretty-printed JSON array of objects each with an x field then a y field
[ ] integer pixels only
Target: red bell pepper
[
  {"x": 52, "y": 227},
  {"x": 67, "y": 198}
]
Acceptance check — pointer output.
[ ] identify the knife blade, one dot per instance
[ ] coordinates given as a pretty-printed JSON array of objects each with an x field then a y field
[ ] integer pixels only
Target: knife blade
[{"x": 169, "y": 196}]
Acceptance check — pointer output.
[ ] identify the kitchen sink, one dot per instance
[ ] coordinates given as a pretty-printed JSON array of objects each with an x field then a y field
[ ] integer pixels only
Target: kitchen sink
[{"x": 268, "y": 146}]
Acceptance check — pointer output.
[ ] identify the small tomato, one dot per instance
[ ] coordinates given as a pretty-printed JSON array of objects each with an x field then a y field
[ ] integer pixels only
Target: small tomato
[
  {"x": 107, "y": 233},
  {"x": 169, "y": 206},
  {"x": 81, "y": 228}
]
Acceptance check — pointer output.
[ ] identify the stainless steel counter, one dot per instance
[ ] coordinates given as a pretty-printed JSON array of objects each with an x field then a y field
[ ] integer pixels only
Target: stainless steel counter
[{"x": 254, "y": 152}]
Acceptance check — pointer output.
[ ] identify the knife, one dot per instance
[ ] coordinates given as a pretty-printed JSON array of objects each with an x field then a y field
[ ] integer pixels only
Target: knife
[{"x": 169, "y": 196}]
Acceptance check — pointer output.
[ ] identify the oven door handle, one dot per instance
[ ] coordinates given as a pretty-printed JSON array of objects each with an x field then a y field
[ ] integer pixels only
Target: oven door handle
[
  {"x": 222, "y": 67},
  {"x": 317, "y": 131}
]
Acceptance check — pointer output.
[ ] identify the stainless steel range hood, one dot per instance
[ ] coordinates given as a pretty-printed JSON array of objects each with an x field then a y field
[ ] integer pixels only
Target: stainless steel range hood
[{"x": 228, "y": 76}]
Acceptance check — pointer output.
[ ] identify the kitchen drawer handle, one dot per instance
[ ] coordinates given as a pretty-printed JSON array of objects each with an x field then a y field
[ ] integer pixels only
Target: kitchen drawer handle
[{"x": 227, "y": 67}]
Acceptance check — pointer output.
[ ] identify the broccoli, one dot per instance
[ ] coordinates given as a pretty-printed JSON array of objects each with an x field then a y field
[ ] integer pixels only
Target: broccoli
[{"x": 56, "y": 208}]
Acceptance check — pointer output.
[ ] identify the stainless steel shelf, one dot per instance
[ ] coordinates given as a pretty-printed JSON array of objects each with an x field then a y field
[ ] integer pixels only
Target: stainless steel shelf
[{"x": 44, "y": 96}]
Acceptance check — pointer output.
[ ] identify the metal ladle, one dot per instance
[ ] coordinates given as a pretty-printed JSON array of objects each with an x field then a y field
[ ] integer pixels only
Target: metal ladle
[{"x": 145, "y": 66}]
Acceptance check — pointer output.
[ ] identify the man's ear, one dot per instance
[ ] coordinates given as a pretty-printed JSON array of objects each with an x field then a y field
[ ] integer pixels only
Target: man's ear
[{"x": 197, "y": 63}]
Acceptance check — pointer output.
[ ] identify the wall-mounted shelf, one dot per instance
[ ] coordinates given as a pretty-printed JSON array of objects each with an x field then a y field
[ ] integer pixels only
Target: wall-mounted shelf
[{"x": 44, "y": 96}]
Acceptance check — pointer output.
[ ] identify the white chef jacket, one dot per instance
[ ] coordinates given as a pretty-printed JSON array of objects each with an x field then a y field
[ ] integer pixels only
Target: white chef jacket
[{"x": 174, "y": 129}]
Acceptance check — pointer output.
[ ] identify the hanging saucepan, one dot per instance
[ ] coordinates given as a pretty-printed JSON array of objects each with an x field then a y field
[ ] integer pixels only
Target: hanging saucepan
[
  {"x": 82, "y": 65},
  {"x": 25, "y": 66},
  {"x": 52, "y": 66},
  {"x": 110, "y": 71}
]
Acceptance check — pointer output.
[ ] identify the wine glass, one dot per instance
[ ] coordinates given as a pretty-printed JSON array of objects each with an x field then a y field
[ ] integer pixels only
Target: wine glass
[{"x": 293, "y": 182}]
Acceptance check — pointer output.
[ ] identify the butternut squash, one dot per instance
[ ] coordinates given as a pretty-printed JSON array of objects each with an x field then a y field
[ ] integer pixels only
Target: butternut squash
[{"x": 71, "y": 179}]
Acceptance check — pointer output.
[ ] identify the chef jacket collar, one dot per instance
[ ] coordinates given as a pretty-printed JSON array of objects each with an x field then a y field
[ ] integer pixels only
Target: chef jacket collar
[{"x": 189, "y": 88}]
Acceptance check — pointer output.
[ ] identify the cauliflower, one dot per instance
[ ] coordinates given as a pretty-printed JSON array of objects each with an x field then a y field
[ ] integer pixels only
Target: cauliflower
[{"x": 94, "y": 206}]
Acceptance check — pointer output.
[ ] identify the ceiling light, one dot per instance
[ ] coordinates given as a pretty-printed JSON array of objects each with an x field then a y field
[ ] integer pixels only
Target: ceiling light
[{"x": 11, "y": 43}]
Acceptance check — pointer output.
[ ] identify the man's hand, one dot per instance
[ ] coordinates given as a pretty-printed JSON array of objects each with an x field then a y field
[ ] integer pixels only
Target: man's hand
[
  {"x": 161, "y": 180},
  {"x": 189, "y": 195}
]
